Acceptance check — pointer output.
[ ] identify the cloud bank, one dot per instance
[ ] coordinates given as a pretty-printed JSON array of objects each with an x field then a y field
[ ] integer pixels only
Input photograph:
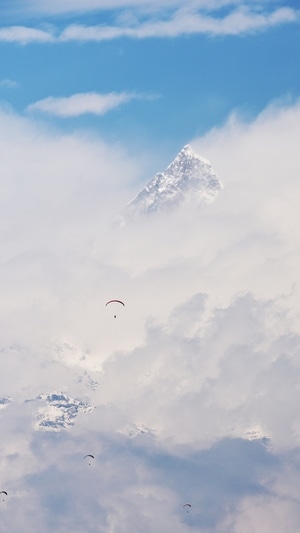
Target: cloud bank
[{"x": 193, "y": 388}]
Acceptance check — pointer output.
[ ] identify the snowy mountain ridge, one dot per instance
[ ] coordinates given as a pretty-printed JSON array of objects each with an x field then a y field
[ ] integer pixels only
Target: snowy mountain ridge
[
  {"x": 189, "y": 177},
  {"x": 58, "y": 412}
]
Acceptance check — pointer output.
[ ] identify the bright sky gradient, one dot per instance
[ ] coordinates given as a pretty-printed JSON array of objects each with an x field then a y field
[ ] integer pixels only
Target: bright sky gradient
[{"x": 194, "y": 389}]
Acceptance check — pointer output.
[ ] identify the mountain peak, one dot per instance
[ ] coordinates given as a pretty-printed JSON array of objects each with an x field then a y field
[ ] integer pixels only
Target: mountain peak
[
  {"x": 189, "y": 177},
  {"x": 188, "y": 151}
]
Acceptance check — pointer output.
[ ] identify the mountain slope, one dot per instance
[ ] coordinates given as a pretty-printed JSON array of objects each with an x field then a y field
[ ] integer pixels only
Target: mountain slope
[{"x": 189, "y": 177}]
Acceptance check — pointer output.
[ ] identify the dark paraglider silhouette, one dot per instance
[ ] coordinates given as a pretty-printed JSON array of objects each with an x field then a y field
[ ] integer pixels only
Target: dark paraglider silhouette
[
  {"x": 187, "y": 505},
  {"x": 117, "y": 302}
]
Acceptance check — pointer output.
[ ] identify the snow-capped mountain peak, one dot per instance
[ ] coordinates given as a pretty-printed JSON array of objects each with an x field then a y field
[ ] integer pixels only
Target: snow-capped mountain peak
[
  {"x": 189, "y": 177},
  {"x": 58, "y": 411}
]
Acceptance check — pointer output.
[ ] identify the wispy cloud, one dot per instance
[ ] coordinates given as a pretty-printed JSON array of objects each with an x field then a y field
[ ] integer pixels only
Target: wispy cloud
[
  {"x": 84, "y": 6},
  {"x": 81, "y": 104},
  {"x": 183, "y": 21},
  {"x": 7, "y": 83},
  {"x": 25, "y": 35}
]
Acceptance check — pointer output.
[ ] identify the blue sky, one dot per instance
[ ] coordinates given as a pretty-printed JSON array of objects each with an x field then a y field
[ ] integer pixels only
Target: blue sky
[
  {"x": 192, "y": 394},
  {"x": 176, "y": 80}
]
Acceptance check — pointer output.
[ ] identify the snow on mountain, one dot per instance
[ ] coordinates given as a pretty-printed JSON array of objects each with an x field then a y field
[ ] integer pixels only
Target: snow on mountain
[
  {"x": 252, "y": 433},
  {"x": 4, "y": 402},
  {"x": 58, "y": 412},
  {"x": 189, "y": 177},
  {"x": 51, "y": 409}
]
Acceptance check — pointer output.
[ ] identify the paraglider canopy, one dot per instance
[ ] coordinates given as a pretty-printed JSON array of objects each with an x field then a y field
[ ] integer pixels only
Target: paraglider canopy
[
  {"x": 187, "y": 505},
  {"x": 3, "y": 492},
  {"x": 115, "y": 301}
]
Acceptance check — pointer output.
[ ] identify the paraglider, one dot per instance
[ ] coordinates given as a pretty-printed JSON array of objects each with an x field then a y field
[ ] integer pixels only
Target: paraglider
[
  {"x": 187, "y": 505},
  {"x": 115, "y": 301},
  {"x": 89, "y": 455},
  {"x": 3, "y": 492}
]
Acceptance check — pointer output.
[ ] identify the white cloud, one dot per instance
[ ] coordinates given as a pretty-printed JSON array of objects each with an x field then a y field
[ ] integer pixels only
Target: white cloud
[
  {"x": 24, "y": 35},
  {"x": 203, "y": 358},
  {"x": 80, "y": 6},
  {"x": 155, "y": 20},
  {"x": 147, "y": 6},
  {"x": 185, "y": 22},
  {"x": 82, "y": 103},
  {"x": 277, "y": 510}
]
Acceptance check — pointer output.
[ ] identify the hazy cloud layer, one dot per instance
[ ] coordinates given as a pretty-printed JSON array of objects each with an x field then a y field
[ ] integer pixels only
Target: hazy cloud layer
[{"x": 194, "y": 386}]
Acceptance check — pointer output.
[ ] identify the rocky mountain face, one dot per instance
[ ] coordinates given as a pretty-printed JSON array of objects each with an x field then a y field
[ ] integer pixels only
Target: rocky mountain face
[
  {"x": 58, "y": 411},
  {"x": 189, "y": 177}
]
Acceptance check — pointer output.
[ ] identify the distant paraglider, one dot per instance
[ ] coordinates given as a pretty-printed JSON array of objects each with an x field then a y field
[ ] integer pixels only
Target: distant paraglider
[
  {"x": 188, "y": 505},
  {"x": 90, "y": 456},
  {"x": 3, "y": 492},
  {"x": 116, "y": 302}
]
